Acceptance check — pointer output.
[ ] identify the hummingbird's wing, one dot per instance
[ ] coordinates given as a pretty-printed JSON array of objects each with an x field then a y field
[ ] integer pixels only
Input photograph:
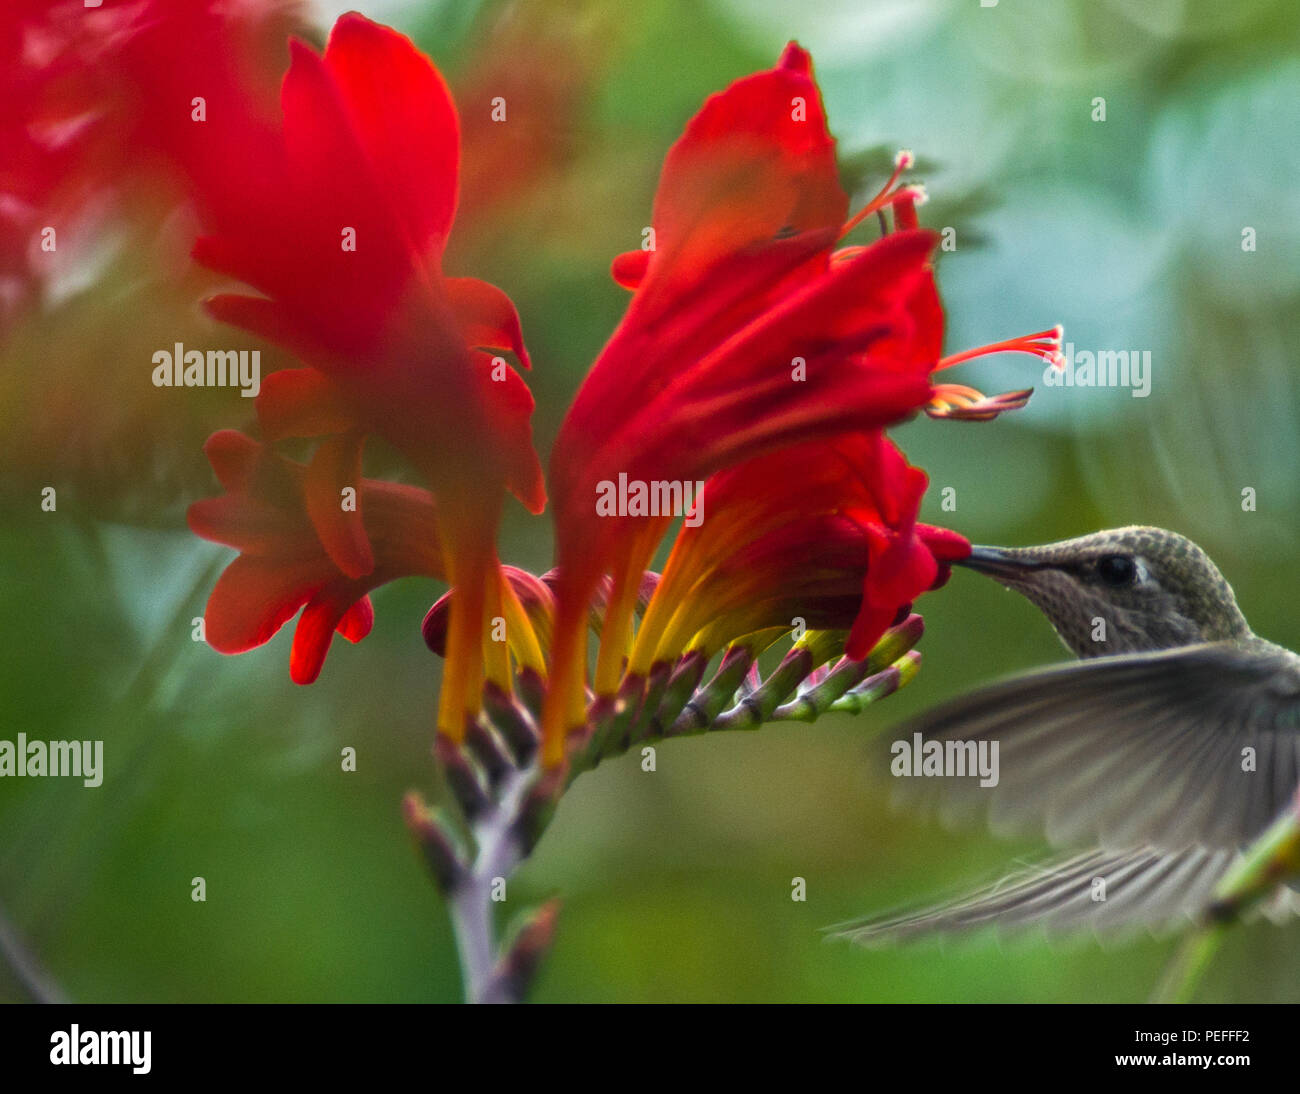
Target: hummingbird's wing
[
  {"x": 1194, "y": 746},
  {"x": 1094, "y": 891}
]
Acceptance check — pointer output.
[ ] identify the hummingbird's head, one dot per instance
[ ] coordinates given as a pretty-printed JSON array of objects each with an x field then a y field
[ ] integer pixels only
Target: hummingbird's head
[{"x": 1120, "y": 591}]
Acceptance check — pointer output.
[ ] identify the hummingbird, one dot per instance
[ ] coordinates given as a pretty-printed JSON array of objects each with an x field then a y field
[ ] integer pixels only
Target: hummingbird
[{"x": 1171, "y": 748}]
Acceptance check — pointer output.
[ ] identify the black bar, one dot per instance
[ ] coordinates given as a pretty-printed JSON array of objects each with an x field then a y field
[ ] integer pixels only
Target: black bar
[{"x": 210, "y": 1043}]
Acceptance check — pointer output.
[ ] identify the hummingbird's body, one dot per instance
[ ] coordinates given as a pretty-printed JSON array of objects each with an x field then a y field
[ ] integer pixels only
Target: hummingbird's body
[{"x": 1171, "y": 746}]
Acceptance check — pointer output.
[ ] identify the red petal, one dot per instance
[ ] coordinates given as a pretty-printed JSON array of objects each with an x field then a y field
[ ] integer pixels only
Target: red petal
[
  {"x": 325, "y": 613},
  {"x": 336, "y": 466},
  {"x": 249, "y": 525},
  {"x": 487, "y": 316},
  {"x": 756, "y": 162},
  {"x": 919, "y": 342},
  {"x": 900, "y": 573},
  {"x": 219, "y": 255},
  {"x": 233, "y": 457},
  {"x": 945, "y": 545},
  {"x": 357, "y": 621},
  {"x": 347, "y": 296},
  {"x": 301, "y": 402},
  {"x": 651, "y": 396},
  {"x": 629, "y": 268},
  {"x": 255, "y": 597},
  {"x": 511, "y": 406},
  {"x": 258, "y": 315},
  {"x": 434, "y": 627},
  {"x": 872, "y": 621},
  {"x": 405, "y": 121},
  {"x": 795, "y": 58}
]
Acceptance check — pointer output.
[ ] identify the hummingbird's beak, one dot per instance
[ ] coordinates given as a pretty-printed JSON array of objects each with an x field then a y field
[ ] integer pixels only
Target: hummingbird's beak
[{"x": 999, "y": 563}]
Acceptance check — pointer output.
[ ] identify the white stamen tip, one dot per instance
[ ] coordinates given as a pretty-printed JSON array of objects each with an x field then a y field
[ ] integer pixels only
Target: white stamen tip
[
  {"x": 904, "y": 160},
  {"x": 1058, "y": 332},
  {"x": 920, "y": 195}
]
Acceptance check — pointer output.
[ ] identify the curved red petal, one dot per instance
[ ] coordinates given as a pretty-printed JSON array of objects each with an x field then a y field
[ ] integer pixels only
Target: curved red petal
[
  {"x": 302, "y": 402},
  {"x": 311, "y": 638},
  {"x": 357, "y": 621},
  {"x": 254, "y": 597},
  {"x": 260, "y": 316},
  {"x": 248, "y": 524},
  {"x": 487, "y": 316},
  {"x": 945, "y": 544},
  {"x": 434, "y": 627},
  {"x": 629, "y": 268},
  {"x": 233, "y": 457},
  {"x": 334, "y": 469}
]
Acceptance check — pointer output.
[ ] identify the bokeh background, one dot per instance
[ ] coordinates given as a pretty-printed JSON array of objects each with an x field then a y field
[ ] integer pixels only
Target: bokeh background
[{"x": 676, "y": 884}]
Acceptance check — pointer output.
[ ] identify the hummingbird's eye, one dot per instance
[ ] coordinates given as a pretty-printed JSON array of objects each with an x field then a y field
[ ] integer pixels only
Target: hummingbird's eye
[{"x": 1117, "y": 570}]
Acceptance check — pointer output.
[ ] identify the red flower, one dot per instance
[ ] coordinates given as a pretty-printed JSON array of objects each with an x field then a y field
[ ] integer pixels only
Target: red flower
[
  {"x": 282, "y": 565},
  {"x": 347, "y": 252},
  {"x": 174, "y": 98},
  {"x": 743, "y": 335},
  {"x": 748, "y": 332}
]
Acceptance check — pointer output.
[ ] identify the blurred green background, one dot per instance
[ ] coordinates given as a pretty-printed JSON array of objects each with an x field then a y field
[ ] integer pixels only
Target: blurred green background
[{"x": 676, "y": 884}]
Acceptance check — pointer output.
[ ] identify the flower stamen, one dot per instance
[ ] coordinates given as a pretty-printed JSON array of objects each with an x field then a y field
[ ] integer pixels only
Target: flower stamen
[
  {"x": 968, "y": 404},
  {"x": 1045, "y": 344},
  {"x": 903, "y": 199}
]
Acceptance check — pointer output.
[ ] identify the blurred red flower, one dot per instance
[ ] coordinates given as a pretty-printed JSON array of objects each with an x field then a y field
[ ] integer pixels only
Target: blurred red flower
[
  {"x": 282, "y": 564},
  {"x": 165, "y": 99},
  {"x": 346, "y": 248}
]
